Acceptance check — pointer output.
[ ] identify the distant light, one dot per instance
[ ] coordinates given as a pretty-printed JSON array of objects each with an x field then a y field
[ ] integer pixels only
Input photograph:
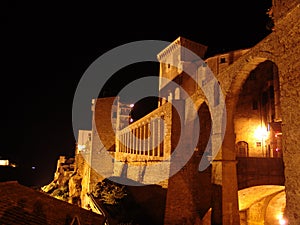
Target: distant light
[
  {"x": 260, "y": 133},
  {"x": 131, "y": 120},
  {"x": 81, "y": 147},
  {"x": 4, "y": 162},
  {"x": 131, "y": 105},
  {"x": 33, "y": 167},
  {"x": 282, "y": 221}
]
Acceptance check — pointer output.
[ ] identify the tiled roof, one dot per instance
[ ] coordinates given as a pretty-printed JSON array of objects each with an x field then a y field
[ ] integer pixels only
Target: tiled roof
[{"x": 23, "y": 205}]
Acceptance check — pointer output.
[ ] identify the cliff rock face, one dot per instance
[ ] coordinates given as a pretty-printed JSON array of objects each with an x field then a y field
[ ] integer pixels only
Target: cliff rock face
[
  {"x": 66, "y": 184},
  {"x": 75, "y": 189}
]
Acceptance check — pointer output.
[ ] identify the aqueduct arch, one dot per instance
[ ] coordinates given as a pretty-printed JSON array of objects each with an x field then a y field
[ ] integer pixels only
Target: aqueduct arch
[{"x": 282, "y": 48}]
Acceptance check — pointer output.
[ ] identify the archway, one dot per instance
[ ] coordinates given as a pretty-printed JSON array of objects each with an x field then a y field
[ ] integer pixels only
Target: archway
[
  {"x": 257, "y": 117},
  {"x": 202, "y": 186},
  {"x": 262, "y": 204},
  {"x": 242, "y": 149}
]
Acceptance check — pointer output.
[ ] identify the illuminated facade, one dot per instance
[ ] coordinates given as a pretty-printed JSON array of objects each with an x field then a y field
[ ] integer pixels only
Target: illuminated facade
[{"x": 261, "y": 90}]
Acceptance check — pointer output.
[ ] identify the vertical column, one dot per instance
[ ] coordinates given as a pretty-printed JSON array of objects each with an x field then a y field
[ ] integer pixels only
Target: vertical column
[
  {"x": 133, "y": 141},
  {"x": 225, "y": 208},
  {"x": 157, "y": 152},
  {"x": 154, "y": 135},
  {"x": 125, "y": 145},
  {"x": 142, "y": 140},
  {"x": 145, "y": 139},
  {"x": 162, "y": 138},
  {"x": 121, "y": 142},
  {"x": 136, "y": 140},
  {"x": 149, "y": 138},
  {"x": 130, "y": 141},
  {"x": 127, "y": 142}
]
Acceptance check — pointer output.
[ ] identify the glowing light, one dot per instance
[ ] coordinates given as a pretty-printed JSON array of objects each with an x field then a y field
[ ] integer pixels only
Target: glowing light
[
  {"x": 131, "y": 105},
  {"x": 4, "y": 162},
  {"x": 281, "y": 220},
  {"x": 131, "y": 120},
  {"x": 81, "y": 147},
  {"x": 260, "y": 133}
]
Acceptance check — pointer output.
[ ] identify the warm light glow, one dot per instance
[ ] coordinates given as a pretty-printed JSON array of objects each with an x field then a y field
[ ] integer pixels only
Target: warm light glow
[
  {"x": 260, "y": 133},
  {"x": 131, "y": 105},
  {"x": 4, "y": 162},
  {"x": 281, "y": 220},
  {"x": 81, "y": 147}
]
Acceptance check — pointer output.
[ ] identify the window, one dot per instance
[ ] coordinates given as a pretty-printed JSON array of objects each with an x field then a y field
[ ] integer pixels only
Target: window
[
  {"x": 242, "y": 149},
  {"x": 222, "y": 60}
]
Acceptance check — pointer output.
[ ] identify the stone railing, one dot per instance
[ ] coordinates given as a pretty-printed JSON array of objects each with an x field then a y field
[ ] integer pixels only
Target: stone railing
[{"x": 147, "y": 139}]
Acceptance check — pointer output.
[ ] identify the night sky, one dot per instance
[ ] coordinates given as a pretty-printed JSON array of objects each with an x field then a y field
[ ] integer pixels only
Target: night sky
[{"x": 46, "y": 49}]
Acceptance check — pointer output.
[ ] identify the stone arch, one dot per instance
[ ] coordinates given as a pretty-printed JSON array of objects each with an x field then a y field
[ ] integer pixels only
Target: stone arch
[
  {"x": 224, "y": 169},
  {"x": 256, "y": 111},
  {"x": 203, "y": 189},
  {"x": 275, "y": 209},
  {"x": 262, "y": 204},
  {"x": 205, "y": 123},
  {"x": 233, "y": 96}
]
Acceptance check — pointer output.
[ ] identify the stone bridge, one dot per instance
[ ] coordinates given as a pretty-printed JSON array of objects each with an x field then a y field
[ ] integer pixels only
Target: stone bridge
[{"x": 260, "y": 90}]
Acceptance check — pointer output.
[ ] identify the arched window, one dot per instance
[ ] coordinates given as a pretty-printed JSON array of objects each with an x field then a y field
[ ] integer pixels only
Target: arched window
[
  {"x": 242, "y": 149},
  {"x": 177, "y": 93}
]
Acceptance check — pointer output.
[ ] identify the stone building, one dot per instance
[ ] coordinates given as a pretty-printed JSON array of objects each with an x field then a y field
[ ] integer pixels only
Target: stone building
[{"x": 255, "y": 90}]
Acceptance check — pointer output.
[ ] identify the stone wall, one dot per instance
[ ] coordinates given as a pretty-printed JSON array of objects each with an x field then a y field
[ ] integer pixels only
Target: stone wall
[
  {"x": 144, "y": 148},
  {"x": 282, "y": 7},
  {"x": 189, "y": 190},
  {"x": 283, "y": 49},
  {"x": 103, "y": 139},
  {"x": 259, "y": 171}
]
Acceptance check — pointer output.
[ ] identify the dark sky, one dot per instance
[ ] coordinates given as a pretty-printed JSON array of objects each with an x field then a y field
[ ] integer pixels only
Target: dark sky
[{"x": 46, "y": 49}]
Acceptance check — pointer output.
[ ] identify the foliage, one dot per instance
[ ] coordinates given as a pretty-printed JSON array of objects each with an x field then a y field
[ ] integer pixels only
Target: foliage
[
  {"x": 61, "y": 193},
  {"x": 109, "y": 193},
  {"x": 49, "y": 188}
]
